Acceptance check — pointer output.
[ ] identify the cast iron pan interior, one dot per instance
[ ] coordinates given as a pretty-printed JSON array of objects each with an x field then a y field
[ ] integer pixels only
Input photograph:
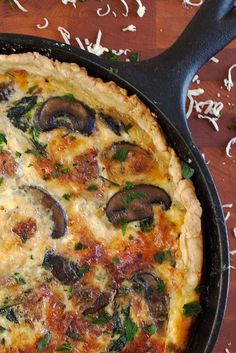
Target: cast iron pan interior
[{"x": 162, "y": 84}]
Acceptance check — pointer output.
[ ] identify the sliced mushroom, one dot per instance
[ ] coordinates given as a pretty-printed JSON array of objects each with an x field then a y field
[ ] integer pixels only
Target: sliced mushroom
[
  {"x": 157, "y": 299},
  {"x": 101, "y": 302},
  {"x": 66, "y": 271},
  {"x": 6, "y": 90},
  {"x": 61, "y": 112},
  {"x": 136, "y": 203},
  {"x": 59, "y": 216},
  {"x": 115, "y": 125}
]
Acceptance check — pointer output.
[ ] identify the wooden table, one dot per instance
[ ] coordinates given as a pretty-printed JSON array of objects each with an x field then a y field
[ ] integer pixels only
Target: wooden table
[{"x": 158, "y": 29}]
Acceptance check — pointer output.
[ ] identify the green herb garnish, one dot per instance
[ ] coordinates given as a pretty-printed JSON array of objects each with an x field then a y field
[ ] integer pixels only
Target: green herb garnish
[
  {"x": 44, "y": 342},
  {"x": 132, "y": 196},
  {"x": 36, "y": 153},
  {"x": 64, "y": 347},
  {"x": 192, "y": 309},
  {"x": 187, "y": 171},
  {"x": 116, "y": 261},
  {"x": 161, "y": 286},
  {"x": 3, "y": 138},
  {"x": 150, "y": 329},
  {"x": 109, "y": 181},
  {"x": 99, "y": 320},
  {"x": 80, "y": 246},
  {"x": 18, "y": 154},
  {"x": 162, "y": 256},
  {"x": 66, "y": 196},
  {"x": 111, "y": 56},
  {"x": 82, "y": 271},
  {"x": 1, "y": 181},
  {"x": 124, "y": 225},
  {"x": 121, "y": 154},
  {"x": 74, "y": 335},
  {"x": 18, "y": 278},
  {"x": 128, "y": 185},
  {"x": 92, "y": 187},
  {"x": 134, "y": 57},
  {"x": 69, "y": 97},
  {"x": 131, "y": 329}
]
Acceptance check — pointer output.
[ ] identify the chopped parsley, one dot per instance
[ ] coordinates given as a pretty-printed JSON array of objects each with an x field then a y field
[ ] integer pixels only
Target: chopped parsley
[
  {"x": 134, "y": 57},
  {"x": 192, "y": 309},
  {"x": 128, "y": 185},
  {"x": 66, "y": 196},
  {"x": 1, "y": 181},
  {"x": 74, "y": 335},
  {"x": 150, "y": 329},
  {"x": 161, "y": 286},
  {"x": 17, "y": 154},
  {"x": 64, "y": 347},
  {"x": 112, "y": 56},
  {"x": 69, "y": 97},
  {"x": 99, "y": 320},
  {"x": 124, "y": 225},
  {"x": 162, "y": 256},
  {"x": 19, "y": 279},
  {"x": 55, "y": 174},
  {"x": 80, "y": 246},
  {"x": 128, "y": 127},
  {"x": 32, "y": 89},
  {"x": 36, "y": 153},
  {"x": 40, "y": 148},
  {"x": 187, "y": 171},
  {"x": 116, "y": 261},
  {"x": 109, "y": 181},
  {"x": 146, "y": 225},
  {"x": 132, "y": 196},
  {"x": 44, "y": 342},
  {"x": 121, "y": 154},
  {"x": 131, "y": 329},
  {"x": 82, "y": 271},
  {"x": 92, "y": 187},
  {"x": 3, "y": 138}
]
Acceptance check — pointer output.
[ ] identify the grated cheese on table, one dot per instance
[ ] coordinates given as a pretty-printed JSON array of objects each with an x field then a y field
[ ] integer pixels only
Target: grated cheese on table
[
  {"x": 20, "y": 7},
  {"x": 229, "y": 146},
  {"x": 191, "y": 3},
  {"x": 130, "y": 28},
  {"x": 228, "y": 214},
  {"x": 80, "y": 43},
  {"x": 45, "y": 24},
  {"x": 215, "y": 60},
  {"x": 101, "y": 14},
  {"x": 192, "y": 93},
  {"x": 141, "y": 9},
  {"x": 65, "y": 2},
  {"x": 234, "y": 231},
  {"x": 212, "y": 120},
  {"x": 228, "y": 82},
  {"x": 126, "y": 8},
  {"x": 227, "y": 205},
  {"x": 97, "y": 48},
  {"x": 65, "y": 34}
]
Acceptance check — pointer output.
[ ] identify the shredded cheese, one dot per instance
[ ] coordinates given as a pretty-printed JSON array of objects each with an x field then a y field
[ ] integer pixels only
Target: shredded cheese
[
  {"x": 193, "y": 93},
  {"x": 189, "y": 2},
  {"x": 80, "y": 43},
  {"x": 114, "y": 14},
  {"x": 212, "y": 108},
  {"x": 45, "y": 24},
  {"x": 204, "y": 157},
  {"x": 126, "y": 8},
  {"x": 141, "y": 9},
  {"x": 229, "y": 146},
  {"x": 130, "y": 28},
  {"x": 65, "y": 34},
  {"x": 20, "y": 7},
  {"x": 228, "y": 82},
  {"x": 234, "y": 231},
  {"x": 101, "y": 14},
  {"x": 97, "y": 48},
  {"x": 233, "y": 252},
  {"x": 228, "y": 205},
  {"x": 212, "y": 120},
  {"x": 215, "y": 60},
  {"x": 227, "y": 216},
  {"x": 120, "y": 52},
  {"x": 65, "y": 2}
]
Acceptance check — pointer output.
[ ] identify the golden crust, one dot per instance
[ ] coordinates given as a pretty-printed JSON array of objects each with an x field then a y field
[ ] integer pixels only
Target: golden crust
[{"x": 131, "y": 109}]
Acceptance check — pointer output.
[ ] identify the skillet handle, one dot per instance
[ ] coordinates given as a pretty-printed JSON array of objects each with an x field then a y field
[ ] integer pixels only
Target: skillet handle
[{"x": 165, "y": 79}]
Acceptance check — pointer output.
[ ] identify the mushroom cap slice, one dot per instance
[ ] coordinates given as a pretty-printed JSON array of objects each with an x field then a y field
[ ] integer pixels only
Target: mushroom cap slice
[
  {"x": 6, "y": 90},
  {"x": 66, "y": 271},
  {"x": 115, "y": 125},
  {"x": 101, "y": 302},
  {"x": 157, "y": 300},
  {"x": 59, "y": 215},
  {"x": 61, "y": 112},
  {"x": 136, "y": 203}
]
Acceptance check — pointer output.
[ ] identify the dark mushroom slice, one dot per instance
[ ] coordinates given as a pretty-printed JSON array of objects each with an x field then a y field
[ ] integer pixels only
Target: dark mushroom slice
[
  {"x": 115, "y": 125},
  {"x": 59, "y": 215},
  {"x": 72, "y": 115},
  {"x": 66, "y": 271},
  {"x": 6, "y": 90},
  {"x": 136, "y": 203},
  {"x": 157, "y": 299},
  {"x": 101, "y": 302}
]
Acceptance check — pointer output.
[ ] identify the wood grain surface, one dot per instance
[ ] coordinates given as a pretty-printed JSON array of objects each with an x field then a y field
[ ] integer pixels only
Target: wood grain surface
[{"x": 163, "y": 22}]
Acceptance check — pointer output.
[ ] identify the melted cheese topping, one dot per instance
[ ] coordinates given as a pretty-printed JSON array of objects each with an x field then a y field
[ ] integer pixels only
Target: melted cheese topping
[{"x": 33, "y": 302}]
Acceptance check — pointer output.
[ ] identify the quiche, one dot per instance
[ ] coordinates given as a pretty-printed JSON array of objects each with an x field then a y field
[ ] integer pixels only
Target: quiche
[{"x": 100, "y": 233}]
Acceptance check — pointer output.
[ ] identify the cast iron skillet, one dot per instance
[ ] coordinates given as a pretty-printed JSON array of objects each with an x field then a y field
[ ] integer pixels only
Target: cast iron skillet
[{"x": 162, "y": 84}]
